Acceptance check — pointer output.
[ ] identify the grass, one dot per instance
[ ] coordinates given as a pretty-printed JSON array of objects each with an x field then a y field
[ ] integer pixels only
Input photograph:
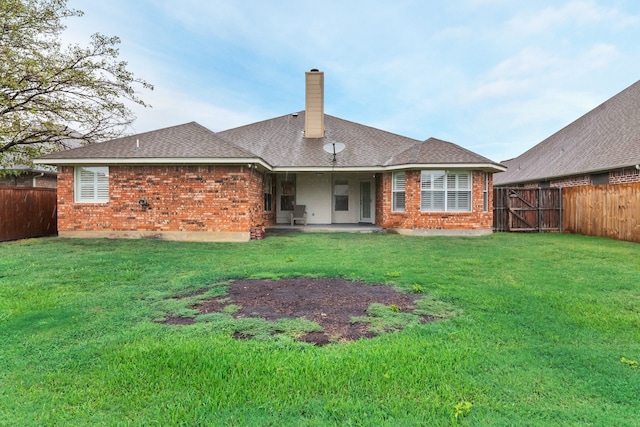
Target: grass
[{"x": 546, "y": 332}]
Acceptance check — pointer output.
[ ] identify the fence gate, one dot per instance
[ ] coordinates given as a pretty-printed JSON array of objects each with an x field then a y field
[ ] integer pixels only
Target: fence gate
[{"x": 527, "y": 209}]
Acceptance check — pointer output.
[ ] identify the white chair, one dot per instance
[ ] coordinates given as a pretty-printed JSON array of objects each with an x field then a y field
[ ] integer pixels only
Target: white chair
[{"x": 299, "y": 214}]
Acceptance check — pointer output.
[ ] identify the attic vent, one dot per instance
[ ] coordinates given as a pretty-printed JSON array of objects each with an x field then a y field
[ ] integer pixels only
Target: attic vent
[{"x": 294, "y": 115}]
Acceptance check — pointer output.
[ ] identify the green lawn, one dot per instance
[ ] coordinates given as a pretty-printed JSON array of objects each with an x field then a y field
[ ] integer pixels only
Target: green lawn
[{"x": 548, "y": 335}]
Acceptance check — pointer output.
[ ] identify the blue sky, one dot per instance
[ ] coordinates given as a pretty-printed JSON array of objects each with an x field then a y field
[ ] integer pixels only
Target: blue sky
[{"x": 494, "y": 76}]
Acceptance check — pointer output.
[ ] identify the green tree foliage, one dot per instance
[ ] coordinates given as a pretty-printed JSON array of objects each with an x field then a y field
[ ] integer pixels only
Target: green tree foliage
[{"x": 51, "y": 94}]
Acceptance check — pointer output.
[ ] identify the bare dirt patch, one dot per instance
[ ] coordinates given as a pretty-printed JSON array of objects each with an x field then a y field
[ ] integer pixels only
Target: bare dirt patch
[{"x": 329, "y": 302}]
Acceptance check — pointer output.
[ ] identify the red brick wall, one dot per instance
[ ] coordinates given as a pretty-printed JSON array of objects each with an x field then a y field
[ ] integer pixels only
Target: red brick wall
[
  {"x": 181, "y": 198},
  {"x": 573, "y": 181},
  {"x": 624, "y": 175},
  {"x": 413, "y": 218}
]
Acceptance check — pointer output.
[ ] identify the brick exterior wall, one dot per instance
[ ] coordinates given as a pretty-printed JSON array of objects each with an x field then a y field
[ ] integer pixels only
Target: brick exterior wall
[
  {"x": 413, "y": 218},
  {"x": 573, "y": 181},
  {"x": 181, "y": 199},
  {"x": 620, "y": 176},
  {"x": 616, "y": 176},
  {"x": 229, "y": 199}
]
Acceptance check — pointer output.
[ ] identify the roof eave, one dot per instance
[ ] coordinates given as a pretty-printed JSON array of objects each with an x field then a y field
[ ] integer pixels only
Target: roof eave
[
  {"x": 153, "y": 161},
  {"x": 552, "y": 177},
  {"x": 489, "y": 167}
]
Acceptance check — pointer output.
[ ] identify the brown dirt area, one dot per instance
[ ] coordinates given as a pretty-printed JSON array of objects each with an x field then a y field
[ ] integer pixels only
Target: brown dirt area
[{"x": 329, "y": 302}]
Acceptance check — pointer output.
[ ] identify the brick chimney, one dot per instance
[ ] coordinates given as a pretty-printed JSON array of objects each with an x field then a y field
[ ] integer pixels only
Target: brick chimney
[{"x": 314, "y": 105}]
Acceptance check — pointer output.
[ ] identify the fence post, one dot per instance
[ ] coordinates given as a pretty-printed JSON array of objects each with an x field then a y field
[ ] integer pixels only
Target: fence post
[
  {"x": 560, "y": 211},
  {"x": 539, "y": 209}
]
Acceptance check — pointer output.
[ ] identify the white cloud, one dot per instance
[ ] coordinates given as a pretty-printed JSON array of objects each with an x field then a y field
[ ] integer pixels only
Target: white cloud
[
  {"x": 486, "y": 74},
  {"x": 600, "y": 55},
  {"x": 173, "y": 106},
  {"x": 527, "y": 62},
  {"x": 454, "y": 33},
  {"x": 497, "y": 89},
  {"x": 549, "y": 17},
  {"x": 533, "y": 68},
  {"x": 576, "y": 12},
  {"x": 514, "y": 126}
]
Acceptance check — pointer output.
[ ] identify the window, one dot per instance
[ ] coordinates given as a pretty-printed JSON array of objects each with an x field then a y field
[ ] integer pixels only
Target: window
[
  {"x": 442, "y": 191},
  {"x": 92, "y": 184},
  {"x": 398, "y": 187},
  {"x": 485, "y": 192},
  {"x": 268, "y": 193},
  {"x": 287, "y": 196},
  {"x": 341, "y": 195}
]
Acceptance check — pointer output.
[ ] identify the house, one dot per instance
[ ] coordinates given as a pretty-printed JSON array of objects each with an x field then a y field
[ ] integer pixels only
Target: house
[
  {"x": 17, "y": 176},
  {"x": 21, "y": 174},
  {"x": 188, "y": 183},
  {"x": 601, "y": 147}
]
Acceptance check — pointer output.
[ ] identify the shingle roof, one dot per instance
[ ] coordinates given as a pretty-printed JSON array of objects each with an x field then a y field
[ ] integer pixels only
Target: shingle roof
[
  {"x": 280, "y": 144},
  {"x": 607, "y": 137},
  {"x": 189, "y": 140},
  {"x": 437, "y": 151}
]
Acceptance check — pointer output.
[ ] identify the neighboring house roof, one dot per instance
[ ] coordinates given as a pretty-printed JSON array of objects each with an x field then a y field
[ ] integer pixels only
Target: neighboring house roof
[
  {"x": 607, "y": 137},
  {"x": 23, "y": 169},
  {"x": 276, "y": 144}
]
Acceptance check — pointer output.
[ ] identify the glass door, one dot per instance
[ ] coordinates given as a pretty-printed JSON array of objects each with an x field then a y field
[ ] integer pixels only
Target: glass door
[{"x": 366, "y": 201}]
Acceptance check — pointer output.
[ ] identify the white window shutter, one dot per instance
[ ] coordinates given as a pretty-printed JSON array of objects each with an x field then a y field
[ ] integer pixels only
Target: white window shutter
[
  {"x": 398, "y": 190},
  {"x": 399, "y": 181},
  {"x": 92, "y": 184},
  {"x": 102, "y": 186},
  {"x": 443, "y": 191}
]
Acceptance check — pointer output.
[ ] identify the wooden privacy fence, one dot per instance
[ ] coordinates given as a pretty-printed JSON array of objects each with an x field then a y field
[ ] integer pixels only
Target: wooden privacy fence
[
  {"x": 603, "y": 210},
  {"x": 527, "y": 209},
  {"x": 27, "y": 212}
]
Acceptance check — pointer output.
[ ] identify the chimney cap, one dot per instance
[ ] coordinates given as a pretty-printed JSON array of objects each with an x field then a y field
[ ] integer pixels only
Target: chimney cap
[{"x": 314, "y": 70}]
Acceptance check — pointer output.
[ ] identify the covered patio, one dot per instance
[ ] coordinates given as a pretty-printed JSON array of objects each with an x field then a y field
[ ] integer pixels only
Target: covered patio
[{"x": 324, "y": 228}]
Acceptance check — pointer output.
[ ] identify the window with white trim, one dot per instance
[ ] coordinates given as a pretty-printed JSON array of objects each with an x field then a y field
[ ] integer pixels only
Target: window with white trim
[
  {"x": 92, "y": 184},
  {"x": 485, "y": 192},
  {"x": 341, "y": 195},
  {"x": 445, "y": 191},
  {"x": 398, "y": 191}
]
